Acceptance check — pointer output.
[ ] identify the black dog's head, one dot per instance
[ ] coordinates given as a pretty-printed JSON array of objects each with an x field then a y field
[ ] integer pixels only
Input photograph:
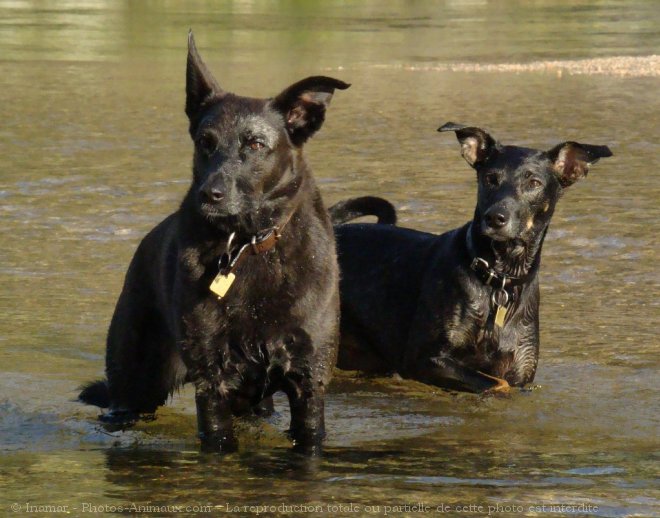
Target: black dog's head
[
  {"x": 247, "y": 162},
  {"x": 519, "y": 187}
]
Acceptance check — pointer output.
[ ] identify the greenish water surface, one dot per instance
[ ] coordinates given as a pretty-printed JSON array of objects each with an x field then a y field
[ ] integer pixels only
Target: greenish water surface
[{"x": 94, "y": 151}]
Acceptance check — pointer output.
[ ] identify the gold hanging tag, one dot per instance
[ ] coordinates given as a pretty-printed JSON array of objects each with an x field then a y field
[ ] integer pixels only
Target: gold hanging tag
[
  {"x": 500, "y": 299},
  {"x": 221, "y": 284},
  {"x": 500, "y": 315}
]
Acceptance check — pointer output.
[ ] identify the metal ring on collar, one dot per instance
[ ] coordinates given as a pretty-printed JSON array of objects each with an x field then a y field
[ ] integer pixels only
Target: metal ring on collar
[{"x": 501, "y": 292}]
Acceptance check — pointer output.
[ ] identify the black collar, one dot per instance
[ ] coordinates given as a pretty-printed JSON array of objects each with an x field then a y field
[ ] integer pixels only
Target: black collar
[{"x": 490, "y": 277}]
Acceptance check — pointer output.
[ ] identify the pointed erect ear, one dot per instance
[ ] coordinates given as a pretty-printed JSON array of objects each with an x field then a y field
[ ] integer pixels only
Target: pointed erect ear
[
  {"x": 476, "y": 145},
  {"x": 303, "y": 105},
  {"x": 571, "y": 160},
  {"x": 200, "y": 84}
]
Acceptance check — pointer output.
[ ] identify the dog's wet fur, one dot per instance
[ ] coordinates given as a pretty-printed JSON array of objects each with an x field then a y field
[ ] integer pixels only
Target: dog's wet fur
[
  {"x": 411, "y": 303},
  {"x": 277, "y": 327}
]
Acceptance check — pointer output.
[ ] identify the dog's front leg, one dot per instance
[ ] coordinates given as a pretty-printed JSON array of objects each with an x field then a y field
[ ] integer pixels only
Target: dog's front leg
[
  {"x": 447, "y": 372},
  {"x": 214, "y": 420},
  {"x": 201, "y": 344},
  {"x": 307, "y": 428}
]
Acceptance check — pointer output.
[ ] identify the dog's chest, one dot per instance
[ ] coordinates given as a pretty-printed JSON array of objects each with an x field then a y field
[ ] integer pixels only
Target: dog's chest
[
  {"x": 259, "y": 345},
  {"x": 256, "y": 317},
  {"x": 252, "y": 337},
  {"x": 473, "y": 334},
  {"x": 240, "y": 340}
]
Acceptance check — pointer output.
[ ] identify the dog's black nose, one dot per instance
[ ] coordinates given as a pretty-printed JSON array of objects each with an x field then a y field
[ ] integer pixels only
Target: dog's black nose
[
  {"x": 497, "y": 218},
  {"x": 213, "y": 194},
  {"x": 217, "y": 194}
]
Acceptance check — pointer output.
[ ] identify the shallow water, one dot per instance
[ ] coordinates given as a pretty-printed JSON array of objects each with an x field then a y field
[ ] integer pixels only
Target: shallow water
[{"x": 94, "y": 151}]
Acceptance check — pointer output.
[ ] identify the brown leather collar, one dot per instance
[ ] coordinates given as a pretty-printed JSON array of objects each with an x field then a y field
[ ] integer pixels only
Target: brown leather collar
[{"x": 260, "y": 243}]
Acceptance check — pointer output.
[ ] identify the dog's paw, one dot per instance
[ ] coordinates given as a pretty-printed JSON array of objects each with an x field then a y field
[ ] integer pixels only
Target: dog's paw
[
  {"x": 117, "y": 420},
  {"x": 308, "y": 449},
  {"x": 217, "y": 442},
  {"x": 307, "y": 442},
  {"x": 500, "y": 386}
]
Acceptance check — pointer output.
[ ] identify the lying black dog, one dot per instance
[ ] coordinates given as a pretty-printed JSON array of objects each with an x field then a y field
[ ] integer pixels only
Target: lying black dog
[
  {"x": 459, "y": 310},
  {"x": 237, "y": 291}
]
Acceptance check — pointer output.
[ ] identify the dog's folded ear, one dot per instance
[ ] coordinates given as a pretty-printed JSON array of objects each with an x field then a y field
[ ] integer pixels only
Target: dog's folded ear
[
  {"x": 303, "y": 105},
  {"x": 571, "y": 160},
  {"x": 201, "y": 86},
  {"x": 477, "y": 146}
]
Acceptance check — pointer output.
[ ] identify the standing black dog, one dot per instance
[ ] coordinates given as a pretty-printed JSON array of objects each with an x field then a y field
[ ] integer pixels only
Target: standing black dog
[
  {"x": 237, "y": 291},
  {"x": 459, "y": 310}
]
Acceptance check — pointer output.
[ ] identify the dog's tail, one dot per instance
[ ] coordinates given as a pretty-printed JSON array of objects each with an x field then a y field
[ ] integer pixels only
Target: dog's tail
[
  {"x": 347, "y": 210},
  {"x": 95, "y": 393}
]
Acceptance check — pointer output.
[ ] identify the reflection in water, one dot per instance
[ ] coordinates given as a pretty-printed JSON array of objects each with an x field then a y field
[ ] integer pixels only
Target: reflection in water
[
  {"x": 94, "y": 150},
  {"x": 622, "y": 66}
]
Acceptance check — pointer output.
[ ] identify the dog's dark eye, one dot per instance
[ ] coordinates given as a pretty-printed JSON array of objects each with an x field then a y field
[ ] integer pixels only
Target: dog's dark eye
[
  {"x": 532, "y": 183},
  {"x": 492, "y": 179},
  {"x": 254, "y": 144},
  {"x": 207, "y": 142}
]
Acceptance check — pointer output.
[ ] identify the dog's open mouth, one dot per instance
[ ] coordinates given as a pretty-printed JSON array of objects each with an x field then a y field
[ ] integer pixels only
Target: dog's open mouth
[
  {"x": 211, "y": 212},
  {"x": 498, "y": 238},
  {"x": 222, "y": 219},
  {"x": 511, "y": 247},
  {"x": 498, "y": 235}
]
